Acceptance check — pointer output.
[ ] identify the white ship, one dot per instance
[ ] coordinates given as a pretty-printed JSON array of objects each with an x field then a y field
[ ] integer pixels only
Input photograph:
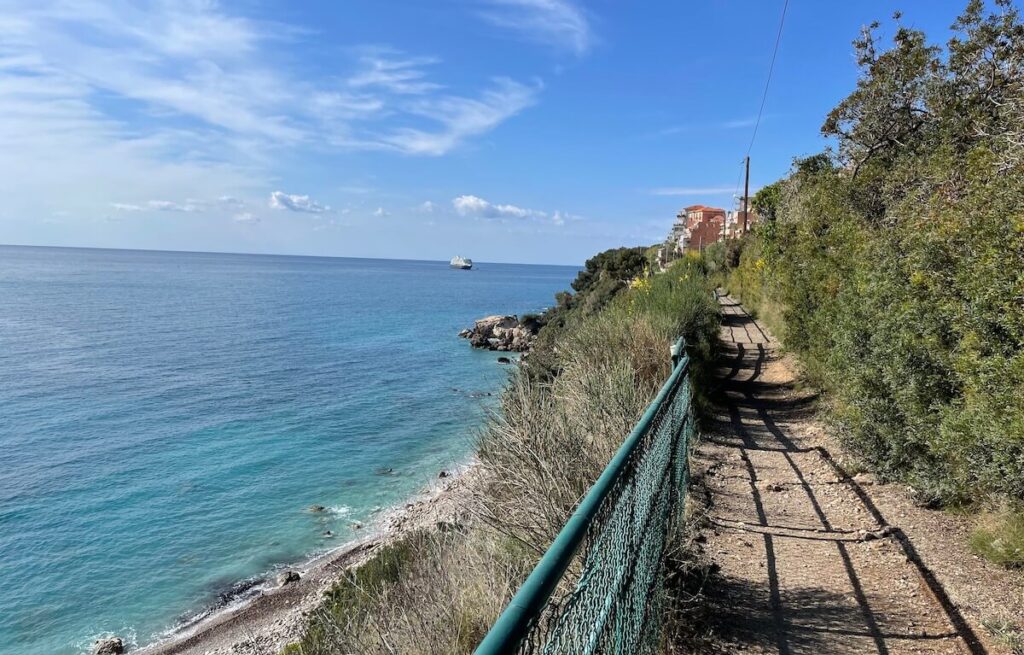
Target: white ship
[{"x": 461, "y": 262}]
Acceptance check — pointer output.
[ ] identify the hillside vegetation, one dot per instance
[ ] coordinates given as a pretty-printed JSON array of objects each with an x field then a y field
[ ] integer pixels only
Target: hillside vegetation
[
  {"x": 600, "y": 359},
  {"x": 893, "y": 265}
]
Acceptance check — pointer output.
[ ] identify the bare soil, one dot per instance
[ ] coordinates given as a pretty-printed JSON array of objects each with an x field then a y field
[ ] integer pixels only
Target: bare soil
[{"x": 809, "y": 559}]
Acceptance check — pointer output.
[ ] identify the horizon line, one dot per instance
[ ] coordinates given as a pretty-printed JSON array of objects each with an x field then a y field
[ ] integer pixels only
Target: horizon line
[{"x": 264, "y": 254}]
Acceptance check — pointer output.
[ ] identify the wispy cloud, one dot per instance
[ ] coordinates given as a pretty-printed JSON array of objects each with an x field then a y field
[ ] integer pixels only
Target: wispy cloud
[
  {"x": 189, "y": 206},
  {"x": 296, "y": 203},
  {"x": 692, "y": 191},
  {"x": 560, "y": 24},
  {"x": 398, "y": 75},
  {"x": 217, "y": 94},
  {"x": 733, "y": 124},
  {"x": 560, "y": 217},
  {"x": 458, "y": 118},
  {"x": 380, "y": 212},
  {"x": 426, "y": 207},
  {"x": 246, "y": 217}
]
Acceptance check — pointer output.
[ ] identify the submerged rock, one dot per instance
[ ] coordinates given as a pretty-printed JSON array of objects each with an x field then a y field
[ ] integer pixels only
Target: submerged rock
[
  {"x": 443, "y": 474},
  {"x": 108, "y": 646},
  {"x": 504, "y": 360},
  {"x": 316, "y": 509}
]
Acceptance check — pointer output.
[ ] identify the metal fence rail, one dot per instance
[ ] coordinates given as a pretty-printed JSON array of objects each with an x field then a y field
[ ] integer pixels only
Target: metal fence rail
[{"x": 617, "y": 538}]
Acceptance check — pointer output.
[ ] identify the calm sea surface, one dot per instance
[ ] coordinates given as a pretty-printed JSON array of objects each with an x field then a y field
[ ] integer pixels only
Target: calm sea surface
[{"x": 167, "y": 418}]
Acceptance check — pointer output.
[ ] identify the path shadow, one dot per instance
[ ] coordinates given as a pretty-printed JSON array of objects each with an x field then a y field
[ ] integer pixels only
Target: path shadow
[{"x": 747, "y": 416}]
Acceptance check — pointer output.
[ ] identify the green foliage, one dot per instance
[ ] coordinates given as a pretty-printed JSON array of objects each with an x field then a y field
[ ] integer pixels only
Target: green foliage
[
  {"x": 897, "y": 262},
  {"x": 617, "y": 265},
  {"x": 766, "y": 201},
  {"x": 604, "y": 276}
]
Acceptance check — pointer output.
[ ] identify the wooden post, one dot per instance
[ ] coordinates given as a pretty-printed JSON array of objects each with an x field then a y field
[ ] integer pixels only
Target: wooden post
[{"x": 746, "y": 196}]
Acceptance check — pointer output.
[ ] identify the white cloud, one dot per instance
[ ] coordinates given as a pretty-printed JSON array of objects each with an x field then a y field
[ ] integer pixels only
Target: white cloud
[
  {"x": 218, "y": 94},
  {"x": 189, "y": 206},
  {"x": 426, "y": 207},
  {"x": 475, "y": 206},
  {"x": 381, "y": 213},
  {"x": 460, "y": 118},
  {"x": 733, "y": 124},
  {"x": 557, "y": 23},
  {"x": 560, "y": 217},
  {"x": 296, "y": 203},
  {"x": 692, "y": 191},
  {"x": 246, "y": 217},
  {"x": 403, "y": 76}
]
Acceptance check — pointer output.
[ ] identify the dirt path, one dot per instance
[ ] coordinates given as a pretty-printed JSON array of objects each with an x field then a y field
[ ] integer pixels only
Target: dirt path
[{"x": 810, "y": 560}]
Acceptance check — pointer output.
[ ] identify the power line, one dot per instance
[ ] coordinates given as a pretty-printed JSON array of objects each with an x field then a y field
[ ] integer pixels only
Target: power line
[{"x": 771, "y": 67}]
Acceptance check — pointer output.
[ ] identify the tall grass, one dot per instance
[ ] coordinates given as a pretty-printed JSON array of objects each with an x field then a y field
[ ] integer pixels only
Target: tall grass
[{"x": 438, "y": 592}]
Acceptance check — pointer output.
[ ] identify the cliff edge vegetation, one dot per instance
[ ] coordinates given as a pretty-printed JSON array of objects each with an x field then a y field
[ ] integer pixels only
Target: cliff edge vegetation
[{"x": 599, "y": 360}]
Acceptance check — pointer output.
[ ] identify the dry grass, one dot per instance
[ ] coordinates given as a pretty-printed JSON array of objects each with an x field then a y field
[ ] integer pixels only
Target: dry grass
[
  {"x": 437, "y": 593},
  {"x": 434, "y": 593},
  {"x": 1006, "y": 632},
  {"x": 999, "y": 537}
]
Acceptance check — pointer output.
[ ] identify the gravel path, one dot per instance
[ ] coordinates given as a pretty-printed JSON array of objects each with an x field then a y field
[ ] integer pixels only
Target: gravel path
[{"x": 810, "y": 560}]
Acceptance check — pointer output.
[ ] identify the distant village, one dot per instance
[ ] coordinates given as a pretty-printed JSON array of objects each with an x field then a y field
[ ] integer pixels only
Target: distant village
[{"x": 698, "y": 226}]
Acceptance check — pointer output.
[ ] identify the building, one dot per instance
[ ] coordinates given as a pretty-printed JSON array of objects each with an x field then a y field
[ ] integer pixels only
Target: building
[
  {"x": 734, "y": 220},
  {"x": 697, "y": 226},
  {"x": 704, "y": 234},
  {"x": 697, "y": 214}
]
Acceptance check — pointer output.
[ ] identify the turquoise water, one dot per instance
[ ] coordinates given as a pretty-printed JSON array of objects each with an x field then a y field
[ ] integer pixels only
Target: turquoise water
[{"x": 167, "y": 419}]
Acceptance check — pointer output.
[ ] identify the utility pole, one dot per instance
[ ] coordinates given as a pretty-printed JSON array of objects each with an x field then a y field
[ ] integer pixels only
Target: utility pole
[{"x": 746, "y": 196}]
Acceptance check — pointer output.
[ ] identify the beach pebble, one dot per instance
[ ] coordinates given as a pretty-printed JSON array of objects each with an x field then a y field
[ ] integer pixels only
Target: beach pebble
[
  {"x": 288, "y": 577},
  {"x": 109, "y": 646}
]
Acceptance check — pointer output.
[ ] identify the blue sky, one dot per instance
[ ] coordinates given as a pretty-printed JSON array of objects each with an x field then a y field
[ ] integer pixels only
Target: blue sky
[{"x": 504, "y": 130}]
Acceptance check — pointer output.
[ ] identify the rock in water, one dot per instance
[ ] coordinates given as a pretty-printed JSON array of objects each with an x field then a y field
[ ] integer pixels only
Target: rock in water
[
  {"x": 316, "y": 509},
  {"x": 288, "y": 577},
  {"x": 503, "y": 333},
  {"x": 504, "y": 360},
  {"x": 108, "y": 646},
  {"x": 496, "y": 322}
]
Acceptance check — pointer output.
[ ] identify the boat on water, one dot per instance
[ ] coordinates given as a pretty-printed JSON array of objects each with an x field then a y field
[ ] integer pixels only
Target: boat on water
[{"x": 461, "y": 262}]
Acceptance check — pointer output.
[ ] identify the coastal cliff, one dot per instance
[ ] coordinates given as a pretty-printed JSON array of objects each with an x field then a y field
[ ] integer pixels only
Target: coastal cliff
[{"x": 437, "y": 574}]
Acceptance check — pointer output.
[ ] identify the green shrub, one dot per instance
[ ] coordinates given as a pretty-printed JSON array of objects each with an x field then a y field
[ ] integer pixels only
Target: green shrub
[{"x": 896, "y": 262}]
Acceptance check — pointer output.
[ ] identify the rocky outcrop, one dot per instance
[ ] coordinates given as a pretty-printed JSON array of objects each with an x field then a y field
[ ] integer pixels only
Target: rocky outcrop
[
  {"x": 108, "y": 646},
  {"x": 287, "y": 577},
  {"x": 503, "y": 333}
]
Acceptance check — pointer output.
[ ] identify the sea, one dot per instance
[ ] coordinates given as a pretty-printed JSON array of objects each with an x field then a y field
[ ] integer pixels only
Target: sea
[{"x": 167, "y": 419}]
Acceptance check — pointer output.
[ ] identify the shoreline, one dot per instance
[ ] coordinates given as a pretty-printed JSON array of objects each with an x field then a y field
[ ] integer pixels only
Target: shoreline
[{"x": 264, "y": 623}]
